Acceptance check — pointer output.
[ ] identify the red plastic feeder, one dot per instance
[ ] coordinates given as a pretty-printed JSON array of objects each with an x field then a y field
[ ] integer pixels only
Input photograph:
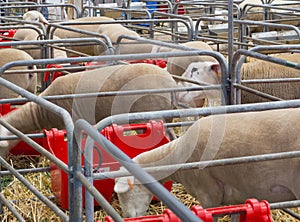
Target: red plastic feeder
[
  {"x": 146, "y": 137},
  {"x": 251, "y": 211},
  {"x": 6, "y": 33},
  {"x": 162, "y": 63}
]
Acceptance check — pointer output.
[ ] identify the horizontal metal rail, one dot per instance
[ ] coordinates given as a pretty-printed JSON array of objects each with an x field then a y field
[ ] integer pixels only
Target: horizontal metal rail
[
  {"x": 25, "y": 171},
  {"x": 256, "y": 92},
  {"x": 205, "y": 111}
]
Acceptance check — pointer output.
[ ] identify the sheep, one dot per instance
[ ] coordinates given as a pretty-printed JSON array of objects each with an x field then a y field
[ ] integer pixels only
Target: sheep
[
  {"x": 220, "y": 137},
  {"x": 112, "y": 31},
  {"x": 65, "y": 34},
  {"x": 27, "y": 81},
  {"x": 263, "y": 70},
  {"x": 259, "y": 69},
  {"x": 30, "y": 34},
  {"x": 178, "y": 65},
  {"x": 35, "y": 16},
  {"x": 32, "y": 117}
]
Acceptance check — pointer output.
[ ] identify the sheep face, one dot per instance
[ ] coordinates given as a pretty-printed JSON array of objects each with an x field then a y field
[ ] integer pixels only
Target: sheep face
[
  {"x": 35, "y": 16},
  {"x": 208, "y": 72},
  {"x": 134, "y": 198}
]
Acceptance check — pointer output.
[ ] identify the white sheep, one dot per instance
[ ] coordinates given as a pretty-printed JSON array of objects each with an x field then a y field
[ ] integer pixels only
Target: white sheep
[
  {"x": 112, "y": 31},
  {"x": 35, "y": 16},
  {"x": 34, "y": 50},
  {"x": 178, "y": 65},
  {"x": 27, "y": 81},
  {"x": 32, "y": 117},
  {"x": 219, "y": 137},
  {"x": 258, "y": 69},
  {"x": 65, "y": 34},
  {"x": 29, "y": 34},
  {"x": 264, "y": 70}
]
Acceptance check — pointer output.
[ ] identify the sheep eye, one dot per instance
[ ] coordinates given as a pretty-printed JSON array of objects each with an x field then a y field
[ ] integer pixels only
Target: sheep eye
[
  {"x": 30, "y": 67},
  {"x": 194, "y": 69}
]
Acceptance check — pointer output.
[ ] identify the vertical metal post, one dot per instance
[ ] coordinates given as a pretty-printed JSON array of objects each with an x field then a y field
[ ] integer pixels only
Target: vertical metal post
[
  {"x": 230, "y": 42},
  {"x": 88, "y": 172},
  {"x": 75, "y": 187},
  {"x": 79, "y": 5}
]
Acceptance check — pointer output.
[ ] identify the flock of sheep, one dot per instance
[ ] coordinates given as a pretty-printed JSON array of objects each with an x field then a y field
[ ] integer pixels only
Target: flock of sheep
[{"x": 213, "y": 137}]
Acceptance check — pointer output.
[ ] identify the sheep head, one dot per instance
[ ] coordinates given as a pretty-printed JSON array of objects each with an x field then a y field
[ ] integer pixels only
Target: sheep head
[
  {"x": 35, "y": 16},
  {"x": 134, "y": 198},
  {"x": 207, "y": 72},
  {"x": 26, "y": 81},
  {"x": 4, "y": 144}
]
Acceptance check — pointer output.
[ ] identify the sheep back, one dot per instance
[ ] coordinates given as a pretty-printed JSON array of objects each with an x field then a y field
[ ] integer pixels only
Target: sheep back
[
  {"x": 227, "y": 136},
  {"x": 112, "y": 78},
  {"x": 267, "y": 70},
  {"x": 113, "y": 31},
  {"x": 178, "y": 65},
  {"x": 88, "y": 49}
]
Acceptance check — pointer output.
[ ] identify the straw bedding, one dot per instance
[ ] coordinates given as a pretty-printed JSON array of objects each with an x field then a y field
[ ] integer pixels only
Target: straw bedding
[{"x": 34, "y": 210}]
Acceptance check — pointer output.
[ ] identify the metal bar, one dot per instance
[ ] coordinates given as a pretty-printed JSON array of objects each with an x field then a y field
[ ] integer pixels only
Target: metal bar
[
  {"x": 115, "y": 93},
  {"x": 50, "y": 41},
  {"x": 256, "y": 92},
  {"x": 36, "y": 6},
  {"x": 282, "y": 80},
  {"x": 189, "y": 23},
  {"x": 220, "y": 58},
  {"x": 249, "y": 22},
  {"x": 77, "y": 187},
  {"x": 24, "y": 171},
  {"x": 287, "y": 204},
  {"x": 292, "y": 213}
]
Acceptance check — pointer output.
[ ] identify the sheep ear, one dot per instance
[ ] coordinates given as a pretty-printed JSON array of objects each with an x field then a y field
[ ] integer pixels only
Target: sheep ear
[
  {"x": 43, "y": 20},
  {"x": 216, "y": 68},
  {"x": 124, "y": 184}
]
